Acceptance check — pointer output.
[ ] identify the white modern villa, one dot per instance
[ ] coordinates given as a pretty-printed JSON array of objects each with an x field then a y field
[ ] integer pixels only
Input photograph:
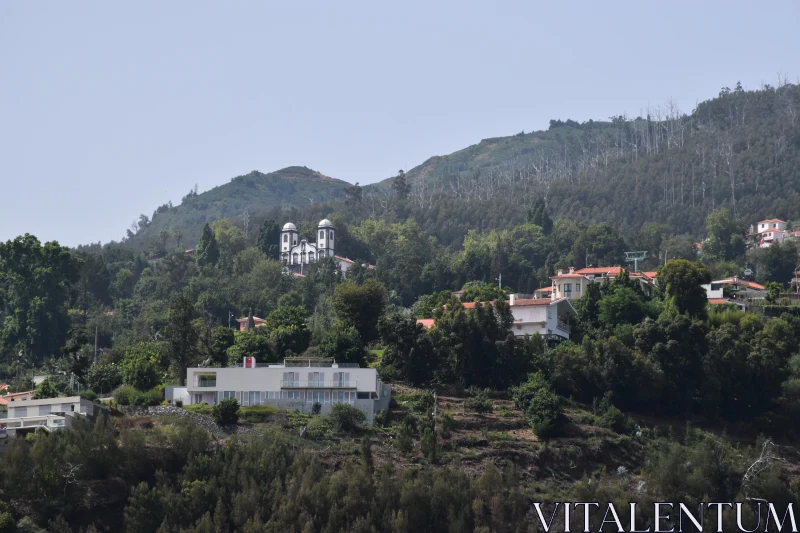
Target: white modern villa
[
  {"x": 26, "y": 416},
  {"x": 296, "y": 384}
]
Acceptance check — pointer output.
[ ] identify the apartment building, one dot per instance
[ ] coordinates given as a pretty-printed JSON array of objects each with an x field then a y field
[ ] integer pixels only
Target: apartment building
[
  {"x": 297, "y": 384},
  {"x": 26, "y": 416}
]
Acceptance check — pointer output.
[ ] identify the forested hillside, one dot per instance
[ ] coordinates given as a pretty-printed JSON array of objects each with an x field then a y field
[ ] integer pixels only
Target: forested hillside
[
  {"x": 740, "y": 150},
  {"x": 656, "y": 395},
  {"x": 242, "y": 197}
]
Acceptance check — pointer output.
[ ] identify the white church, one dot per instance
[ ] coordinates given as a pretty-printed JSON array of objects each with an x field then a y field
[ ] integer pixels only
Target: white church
[{"x": 297, "y": 254}]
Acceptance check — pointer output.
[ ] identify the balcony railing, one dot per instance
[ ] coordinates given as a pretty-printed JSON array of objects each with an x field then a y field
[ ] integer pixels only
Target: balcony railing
[
  {"x": 563, "y": 326},
  {"x": 318, "y": 383},
  {"x": 207, "y": 383}
]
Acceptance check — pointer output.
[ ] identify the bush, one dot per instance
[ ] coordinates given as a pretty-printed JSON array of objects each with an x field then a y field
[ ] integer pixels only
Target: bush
[
  {"x": 479, "y": 402},
  {"x": 614, "y": 418},
  {"x": 256, "y": 414},
  {"x": 380, "y": 418},
  {"x": 88, "y": 394},
  {"x": 316, "y": 408},
  {"x": 152, "y": 397},
  {"x": 125, "y": 395},
  {"x": 199, "y": 408},
  {"x": 421, "y": 402},
  {"x": 347, "y": 418},
  {"x": 428, "y": 444},
  {"x": 226, "y": 412},
  {"x": 405, "y": 437},
  {"x": 544, "y": 413}
]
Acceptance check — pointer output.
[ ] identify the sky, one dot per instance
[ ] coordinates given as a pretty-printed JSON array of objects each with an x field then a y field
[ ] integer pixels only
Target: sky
[{"x": 110, "y": 109}]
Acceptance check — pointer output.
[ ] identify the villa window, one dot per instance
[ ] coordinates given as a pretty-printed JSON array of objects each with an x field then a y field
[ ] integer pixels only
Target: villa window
[
  {"x": 330, "y": 235},
  {"x": 285, "y": 237},
  {"x": 228, "y": 394},
  {"x": 577, "y": 287},
  {"x": 316, "y": 379},
  {"x": 322, "y": 235},
  {"x": 255, "y": 398}
]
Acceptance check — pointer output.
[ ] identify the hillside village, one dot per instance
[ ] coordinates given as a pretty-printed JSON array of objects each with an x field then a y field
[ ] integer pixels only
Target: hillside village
[{"x": 417, "y": 352}]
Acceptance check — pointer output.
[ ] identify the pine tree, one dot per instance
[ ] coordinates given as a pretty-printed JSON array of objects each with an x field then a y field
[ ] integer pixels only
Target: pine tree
[
  {"x": 269, "y": 238},
  {"x": 207, "y": 249}
]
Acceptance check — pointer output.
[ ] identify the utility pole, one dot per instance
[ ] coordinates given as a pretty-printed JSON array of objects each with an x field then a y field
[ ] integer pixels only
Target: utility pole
[
  {"x": 95, "y": 345},
  {"x": 230, "y": 315},
  {"x": 500, "y": 281}
]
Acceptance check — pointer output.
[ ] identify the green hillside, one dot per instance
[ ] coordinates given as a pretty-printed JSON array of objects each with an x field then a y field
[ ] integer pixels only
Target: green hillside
[
  {"x": 739, "y": 150},
  {"x": 254, "y": 192}
]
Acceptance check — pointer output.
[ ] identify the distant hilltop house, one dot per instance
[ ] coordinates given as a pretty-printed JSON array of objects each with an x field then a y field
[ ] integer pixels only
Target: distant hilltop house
[
  {"x": 765, "y": 233},
  {"x": 297, "y": 254}
]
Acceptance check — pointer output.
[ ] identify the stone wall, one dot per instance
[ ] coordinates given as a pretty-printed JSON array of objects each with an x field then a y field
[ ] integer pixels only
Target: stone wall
[{"x": 204, "y": 421}]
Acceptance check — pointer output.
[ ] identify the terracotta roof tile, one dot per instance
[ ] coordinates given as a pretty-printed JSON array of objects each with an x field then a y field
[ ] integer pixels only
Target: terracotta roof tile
[
  {"x": 426, "y": 323},
  {"x": 718, "y": 301}
]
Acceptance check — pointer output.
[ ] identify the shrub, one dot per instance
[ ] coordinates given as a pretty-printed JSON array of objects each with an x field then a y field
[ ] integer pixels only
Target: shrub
[
  {"x": 347, "y": 418},
  {"x": 256, "y": 414},
  {"x": 428, "y": 444},
  {"x": 226, "y": 411},
  {"x": 199, "y": 408},
  {"x": 521, "y": 395},
  {"x": 316, "y": 408},
  {"x": 544, "y": 413},
  {"x": 88, "y": 394},
  {"x": 614, "y": 418},
  {"x": 153, "y": 396},
  {"x": 125, "y": 395},
  {"x": 479, "y": 402},
  {"x": 380, "y": 418},
  {"x": 446, "y": 425},
  {"x": 405, "y": 437},
  {"x": 421, "y": 402}
]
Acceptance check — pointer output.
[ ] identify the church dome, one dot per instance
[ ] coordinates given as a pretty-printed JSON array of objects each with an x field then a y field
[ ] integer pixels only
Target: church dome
[
  {"x": 325, "y": 223},
  {"x": 289, "y": 227}
]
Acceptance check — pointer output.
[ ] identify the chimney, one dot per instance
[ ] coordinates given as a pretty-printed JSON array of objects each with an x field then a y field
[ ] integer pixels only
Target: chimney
[
  {"x": 559, "y": 272},
  {"x": 571, "y": 270}
]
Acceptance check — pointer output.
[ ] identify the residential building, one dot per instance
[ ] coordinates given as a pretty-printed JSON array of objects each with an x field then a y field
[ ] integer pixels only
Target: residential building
[
  {"x": 297, "y": 383},
  {"x": 17, "y": 397},
  {"x": 713, "y": 290},
  {"x": 570, "y": 285},
  {"x": 426, "y": 323},
  {"x": 26, "y": 416},
  {"x": 544, "y": 292},
  {"x": 772, "y": 223},
  {"x": 549, "y": 318}
]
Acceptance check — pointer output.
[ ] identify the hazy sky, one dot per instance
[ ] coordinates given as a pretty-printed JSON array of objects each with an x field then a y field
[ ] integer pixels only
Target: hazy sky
[{"x": 109, "y": 109}]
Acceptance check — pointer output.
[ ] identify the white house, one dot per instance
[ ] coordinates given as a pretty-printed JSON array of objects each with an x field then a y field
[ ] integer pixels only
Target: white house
[
  {"x": 297, "y": 384},
  {"x": 26, "y": 416},
  {"x": 772, "y": 223},
  {"x": 550, "y": 318},
  {"x": 543, "y": 316}
]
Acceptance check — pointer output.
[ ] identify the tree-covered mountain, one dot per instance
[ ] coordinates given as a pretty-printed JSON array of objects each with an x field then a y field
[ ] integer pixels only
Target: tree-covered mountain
[
  {"x": 242, "y": 196},
  {"x": 740, "y": 150}
]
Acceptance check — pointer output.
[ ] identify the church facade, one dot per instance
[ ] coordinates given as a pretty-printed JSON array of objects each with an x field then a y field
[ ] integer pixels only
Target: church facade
[{"x": 297, "y": 254}]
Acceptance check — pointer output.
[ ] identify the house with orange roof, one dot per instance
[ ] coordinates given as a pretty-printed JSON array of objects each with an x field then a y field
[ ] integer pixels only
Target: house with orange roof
[
  {"x": 571, "y": 284},
  {"x": 426, "y": 323}
]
